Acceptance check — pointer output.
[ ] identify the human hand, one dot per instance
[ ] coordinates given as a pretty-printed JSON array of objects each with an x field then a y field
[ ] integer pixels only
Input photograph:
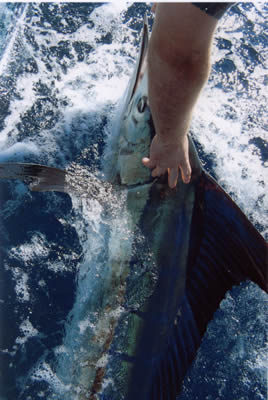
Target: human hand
[{"x": 171, "y": 157}]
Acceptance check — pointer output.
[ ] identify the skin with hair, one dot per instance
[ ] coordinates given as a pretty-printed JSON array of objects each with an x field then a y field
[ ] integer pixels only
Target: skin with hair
[{"x": 178, "y": 68}]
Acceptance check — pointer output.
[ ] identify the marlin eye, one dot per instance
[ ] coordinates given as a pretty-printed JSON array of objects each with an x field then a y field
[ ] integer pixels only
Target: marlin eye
[{"x": 142, "y": 104}]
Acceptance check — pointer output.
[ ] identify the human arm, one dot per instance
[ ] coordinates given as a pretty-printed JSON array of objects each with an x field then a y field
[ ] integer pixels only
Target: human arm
[{"x": 178, "y": 67}]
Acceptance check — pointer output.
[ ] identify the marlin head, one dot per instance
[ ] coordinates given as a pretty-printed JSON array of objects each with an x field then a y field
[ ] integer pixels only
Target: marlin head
[{"x": 137, "y": 128}]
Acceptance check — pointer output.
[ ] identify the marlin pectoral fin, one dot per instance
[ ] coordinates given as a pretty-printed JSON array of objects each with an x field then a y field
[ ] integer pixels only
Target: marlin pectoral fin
[
  {"x": 74, "y": 180},
  {"x": 225, "y": 249},
  {"x": 38, "y": 177}
]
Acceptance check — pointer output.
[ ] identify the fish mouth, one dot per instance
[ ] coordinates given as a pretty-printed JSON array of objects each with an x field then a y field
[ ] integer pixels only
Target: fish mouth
[{"x": 134, "y": 186}]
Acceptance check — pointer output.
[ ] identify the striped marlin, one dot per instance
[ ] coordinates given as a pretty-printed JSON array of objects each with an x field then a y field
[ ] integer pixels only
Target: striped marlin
[{"x": 200, "y": 245}]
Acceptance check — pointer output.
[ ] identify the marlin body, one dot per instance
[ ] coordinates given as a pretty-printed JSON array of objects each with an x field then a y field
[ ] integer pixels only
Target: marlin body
[
  {"x": 192, "y": 244},
  {"x": 201, "y": 245}
]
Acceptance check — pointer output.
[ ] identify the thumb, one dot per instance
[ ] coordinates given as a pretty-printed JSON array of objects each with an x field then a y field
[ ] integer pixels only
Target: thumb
[{"x": 148, "y": 163}]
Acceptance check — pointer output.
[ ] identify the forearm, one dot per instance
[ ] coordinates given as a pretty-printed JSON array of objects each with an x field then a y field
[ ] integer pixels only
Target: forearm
[
  {"x": 178, "y": 69},
  {"x": 173, "y": 92}
]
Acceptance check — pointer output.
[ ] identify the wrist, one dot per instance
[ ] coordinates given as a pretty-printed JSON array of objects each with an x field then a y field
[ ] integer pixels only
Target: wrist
[
  {"x": 174, "y": 137},
  {"x": 175, "y": 132}
]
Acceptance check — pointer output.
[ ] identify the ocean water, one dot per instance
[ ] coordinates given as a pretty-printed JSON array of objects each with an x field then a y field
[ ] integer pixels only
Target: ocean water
[{"x": 64, "y": 68}]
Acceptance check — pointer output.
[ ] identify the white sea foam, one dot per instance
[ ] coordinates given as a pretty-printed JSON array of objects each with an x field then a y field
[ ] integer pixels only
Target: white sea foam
[
  {"x": 18, "y": 151},
  {"x": 27, "y": 330},
  {"x": 5, "y": 60},
  {"x": 43, "y": 372},
  {"x": 93, "y": 315},
  {"x": 34, "y": 249},
  {"x": 238, "y": 164},
  {"x": 90, "y": 88},
  {"x": 21, "y": 287}
]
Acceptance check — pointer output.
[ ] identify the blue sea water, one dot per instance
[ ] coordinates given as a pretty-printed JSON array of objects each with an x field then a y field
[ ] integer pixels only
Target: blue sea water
[{"x": 63, "y": 70}]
